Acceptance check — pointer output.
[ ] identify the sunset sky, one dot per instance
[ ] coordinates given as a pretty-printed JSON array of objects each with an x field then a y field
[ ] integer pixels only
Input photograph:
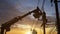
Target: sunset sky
[{"x": 13, "y": 8}]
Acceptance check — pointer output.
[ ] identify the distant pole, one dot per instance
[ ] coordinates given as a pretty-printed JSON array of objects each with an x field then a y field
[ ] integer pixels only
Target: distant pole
[{"x": 57, "y": 16}]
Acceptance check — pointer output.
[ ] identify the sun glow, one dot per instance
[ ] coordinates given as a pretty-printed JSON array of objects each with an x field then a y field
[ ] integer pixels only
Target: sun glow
[
  {"x": 23, "y": 26},
  {"x": 28, "y": 32}
]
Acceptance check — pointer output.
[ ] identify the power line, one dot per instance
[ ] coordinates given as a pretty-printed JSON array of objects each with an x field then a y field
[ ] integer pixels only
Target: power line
[
  {"x": 43, "y": 5},
  {"x": 38, "y": 3}
]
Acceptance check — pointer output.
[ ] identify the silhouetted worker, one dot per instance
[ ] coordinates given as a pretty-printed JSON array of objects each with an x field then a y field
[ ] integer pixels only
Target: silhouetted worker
[
  {"x": 2, "y": 30},
  {"x": 34, "y": 31}
]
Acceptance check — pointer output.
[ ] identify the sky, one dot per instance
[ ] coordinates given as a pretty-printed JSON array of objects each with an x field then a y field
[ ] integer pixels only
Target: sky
[{"x": 12, "y": 8}]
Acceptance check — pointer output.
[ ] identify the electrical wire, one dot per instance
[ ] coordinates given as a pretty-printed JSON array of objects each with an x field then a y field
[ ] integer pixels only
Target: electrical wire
[
  {"x": 52, "y": 29},
  {"x": 35, "y": 24},
  {"x": 43, "y": 3},
  {"x": 38, "y": 3}
]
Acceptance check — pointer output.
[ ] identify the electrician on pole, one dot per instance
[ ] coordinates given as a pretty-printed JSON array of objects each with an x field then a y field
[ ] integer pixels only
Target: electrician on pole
[{"x": 37, "y": 15}]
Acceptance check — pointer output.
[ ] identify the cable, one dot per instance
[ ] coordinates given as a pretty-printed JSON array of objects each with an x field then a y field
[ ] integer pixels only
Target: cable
[
  {"x": 38, "y": 3},
  {"x": 43, "y": 5},
  {"x": 52, "y": 30},
  {"x": 35, "y": 24}
]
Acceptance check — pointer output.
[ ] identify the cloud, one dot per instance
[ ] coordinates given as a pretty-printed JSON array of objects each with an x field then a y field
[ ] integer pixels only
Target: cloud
[
  {"x": 12, "y": 8},
  {"x": 7, "y": 11}
]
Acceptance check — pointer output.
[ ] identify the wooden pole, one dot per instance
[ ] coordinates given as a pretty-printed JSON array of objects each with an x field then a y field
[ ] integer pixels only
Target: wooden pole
[{"x": 57, "y": 16}]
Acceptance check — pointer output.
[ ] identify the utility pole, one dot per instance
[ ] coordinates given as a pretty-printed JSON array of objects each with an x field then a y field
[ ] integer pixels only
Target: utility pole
[
  {"x": 44, "y": 21},
  {"x": 57, "y": 16}
]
